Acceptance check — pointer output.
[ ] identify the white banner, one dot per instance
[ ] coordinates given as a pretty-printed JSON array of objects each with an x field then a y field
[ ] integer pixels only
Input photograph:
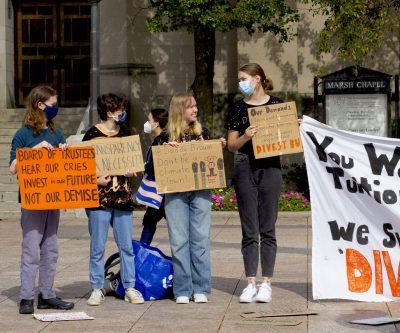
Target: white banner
[{"x": 355, "y": 198}]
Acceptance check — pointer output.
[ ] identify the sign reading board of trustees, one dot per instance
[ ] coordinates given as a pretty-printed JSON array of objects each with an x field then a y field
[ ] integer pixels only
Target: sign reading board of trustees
[
  {"x": 191, "y": 166},
  {"x": 278, "y": 130},
  {"x": 116, "y": 155},
  {"x": 57, "y": 179}
]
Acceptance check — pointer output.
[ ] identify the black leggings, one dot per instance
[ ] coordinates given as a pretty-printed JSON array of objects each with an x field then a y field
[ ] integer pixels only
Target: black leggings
[{"x": 257, "y": 190}]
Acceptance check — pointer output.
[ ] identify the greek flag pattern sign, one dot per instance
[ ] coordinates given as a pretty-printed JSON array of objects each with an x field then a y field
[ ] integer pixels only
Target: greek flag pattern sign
[{"x": 355, "y": 201}]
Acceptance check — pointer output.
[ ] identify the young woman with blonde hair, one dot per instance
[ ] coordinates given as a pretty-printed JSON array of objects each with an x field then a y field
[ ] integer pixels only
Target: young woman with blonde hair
[{"x": 188, "y": 213}]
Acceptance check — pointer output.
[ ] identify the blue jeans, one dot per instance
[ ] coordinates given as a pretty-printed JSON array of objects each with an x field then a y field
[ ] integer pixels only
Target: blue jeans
[
  {"x": 188, "y": 219},
  {"x": 122, "y": 224}
]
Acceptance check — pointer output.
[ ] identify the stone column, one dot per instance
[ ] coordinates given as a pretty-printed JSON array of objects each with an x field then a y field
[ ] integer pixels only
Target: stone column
[{"x": 7, "y": 97}]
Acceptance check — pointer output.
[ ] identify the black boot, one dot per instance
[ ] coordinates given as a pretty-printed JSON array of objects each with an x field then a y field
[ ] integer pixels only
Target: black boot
[
  {"x": 26, "y": 306},
  {"x": 53, "y": 303}
]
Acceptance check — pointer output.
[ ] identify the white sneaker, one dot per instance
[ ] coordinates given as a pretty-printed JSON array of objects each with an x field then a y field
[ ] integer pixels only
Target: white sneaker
[
  {"x": 96, "y": 297},
  {"x": 264, "y": 294},
  {"x": 248, "y": 294},
  {"x": 133, "y": 296},
  {"x": 182, "y": 300},
  {"x": 200, "y": 298}
]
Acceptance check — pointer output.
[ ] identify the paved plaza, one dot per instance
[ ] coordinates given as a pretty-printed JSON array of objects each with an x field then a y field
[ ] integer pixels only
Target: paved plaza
[{"x": 291, "y": 287}]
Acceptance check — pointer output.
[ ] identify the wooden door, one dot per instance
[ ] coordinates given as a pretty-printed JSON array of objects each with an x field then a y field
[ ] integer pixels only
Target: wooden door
[{"x": 53, "y": 48}]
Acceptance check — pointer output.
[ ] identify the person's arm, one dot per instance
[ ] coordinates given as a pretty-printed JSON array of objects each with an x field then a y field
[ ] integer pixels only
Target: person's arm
[
  {"x": 236, "y": 141},
  {"x": 13, "y": 167}
]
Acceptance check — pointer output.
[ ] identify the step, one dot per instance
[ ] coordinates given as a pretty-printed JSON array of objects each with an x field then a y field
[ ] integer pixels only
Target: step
[
  {"x": 4, "y": 124},
  {"x": 14, "y": 212},
  {"x": 9, "y": 207},
  {"x": 8, "y": 131},
  {"x": 8, "y": 196},
  {"x": 9, "y": 187},
  {"x": 7, "y": 179}
]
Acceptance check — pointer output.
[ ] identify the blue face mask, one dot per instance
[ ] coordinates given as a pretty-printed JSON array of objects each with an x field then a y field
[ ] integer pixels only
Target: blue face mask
[
  {"x": 246, "y": 88},
  {"x": 50, "y": 111},
  {"x": 121, "y": 118}
]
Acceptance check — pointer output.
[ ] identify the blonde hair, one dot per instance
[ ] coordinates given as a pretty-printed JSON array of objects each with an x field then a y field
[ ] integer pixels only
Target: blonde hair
[
  {"x": 35, "y": 117},
  {"x": 177, "y": 126}
]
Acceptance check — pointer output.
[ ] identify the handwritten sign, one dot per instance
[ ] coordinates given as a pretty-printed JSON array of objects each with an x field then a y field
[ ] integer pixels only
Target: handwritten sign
[
  {"x": 278, "y": 131},
  {"x": 56, "y": 179},
  {"x": 355, "y": 213},
  {"x": 116, "y": 155},
  {"x": 191, "y": 166}
]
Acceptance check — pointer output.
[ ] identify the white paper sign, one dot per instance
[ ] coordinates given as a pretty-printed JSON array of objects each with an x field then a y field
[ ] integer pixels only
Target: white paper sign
[
  {"x": 62, "y": 316},
  {"x": 355, "y": 199}
]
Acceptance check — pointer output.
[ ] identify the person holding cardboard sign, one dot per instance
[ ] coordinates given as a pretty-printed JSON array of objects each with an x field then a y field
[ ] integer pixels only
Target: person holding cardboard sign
[
  {"x": 188, "y": 213},
  {"x": 115, "y": 209},
  {"x": 39, "y": 227},
  {"x": 257, "y": 184},
  {"x": 157, "y": 121}
]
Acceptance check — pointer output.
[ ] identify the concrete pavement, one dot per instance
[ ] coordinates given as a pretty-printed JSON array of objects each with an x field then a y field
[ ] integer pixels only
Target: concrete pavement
[{"x": 291, "y": 286}]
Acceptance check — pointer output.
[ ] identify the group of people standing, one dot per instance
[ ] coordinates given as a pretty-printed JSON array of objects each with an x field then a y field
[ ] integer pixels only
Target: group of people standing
[{"x": 188, "y": 214}]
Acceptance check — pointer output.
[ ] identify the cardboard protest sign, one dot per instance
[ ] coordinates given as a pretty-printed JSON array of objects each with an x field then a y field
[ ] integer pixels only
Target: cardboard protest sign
[
  {"x": 191, "y": 166},
  {"x": 355, "y": 199},
  {"x": 278, "y": 130},
  {"x": 56, "y": 179},
  {"x": 116, "y": 155}
]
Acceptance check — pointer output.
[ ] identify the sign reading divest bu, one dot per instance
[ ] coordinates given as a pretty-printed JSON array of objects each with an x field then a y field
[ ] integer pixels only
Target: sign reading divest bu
[
  {"x": 278, "y": 130},
  {"x": 114, "y": 156},
  {"x": 191, "y": 166},
  {"x": 57, "y": 179}
]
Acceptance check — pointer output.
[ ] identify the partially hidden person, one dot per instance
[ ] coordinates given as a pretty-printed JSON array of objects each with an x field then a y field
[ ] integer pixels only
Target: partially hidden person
[
  {"x": 39, "y": 227},
  {"x": 156, "y": 124},
  {"x": 115, "y": 208}
]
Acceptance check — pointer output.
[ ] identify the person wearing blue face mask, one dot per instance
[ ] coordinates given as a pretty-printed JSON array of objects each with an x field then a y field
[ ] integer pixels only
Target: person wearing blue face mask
[
  {"x": 115, "y": 208},
  {"x": 39, "y": 227},
  {"x": 157, "y": 121},
  {"x": 257, "y": 184}
]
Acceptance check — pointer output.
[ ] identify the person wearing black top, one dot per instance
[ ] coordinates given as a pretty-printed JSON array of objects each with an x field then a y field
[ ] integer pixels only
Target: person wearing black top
[
  {"x": 257, "y": 184},
  {"x": 157, "y": 120},
  {"x": 115, "y": 207}
]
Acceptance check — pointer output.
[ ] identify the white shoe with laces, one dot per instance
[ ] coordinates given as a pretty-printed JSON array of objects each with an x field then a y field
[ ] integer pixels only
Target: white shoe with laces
[
  {"x": 133, "y": 296},
  {"x": 200, "y": 298},
  {"x": 248, "y": 294},
  {"x": 182, "y": 300},
  {"x": 96, "y": 297},
  {"x": 264, "y": 294}
]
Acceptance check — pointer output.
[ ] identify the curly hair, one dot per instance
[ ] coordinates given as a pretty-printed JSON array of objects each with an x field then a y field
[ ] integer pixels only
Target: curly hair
[
  {"x": 110, "y": 102},
  {"x": 34, "y": 117}
]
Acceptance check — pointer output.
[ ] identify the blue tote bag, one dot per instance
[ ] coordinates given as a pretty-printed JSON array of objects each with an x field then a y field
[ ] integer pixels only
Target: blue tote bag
[{"x": 153, "y": 273}]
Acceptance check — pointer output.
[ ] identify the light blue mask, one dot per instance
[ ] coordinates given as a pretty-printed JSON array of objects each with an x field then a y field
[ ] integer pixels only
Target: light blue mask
[{"x": 246, "y": 88}]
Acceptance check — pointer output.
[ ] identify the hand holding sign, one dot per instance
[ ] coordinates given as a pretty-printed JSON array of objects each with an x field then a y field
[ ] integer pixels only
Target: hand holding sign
[
  {"x": 57, "y": 178},
  {"x": 274, "y": 130}
]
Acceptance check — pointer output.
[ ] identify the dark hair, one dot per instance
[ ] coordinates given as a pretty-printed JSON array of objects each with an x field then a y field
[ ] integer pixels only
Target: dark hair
[
  {"x": 110, "y": 102},
  {"x": 254, "y": 69},
  {"x": 160, "y": 116},
  {"x": 35, "y": 117}
]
